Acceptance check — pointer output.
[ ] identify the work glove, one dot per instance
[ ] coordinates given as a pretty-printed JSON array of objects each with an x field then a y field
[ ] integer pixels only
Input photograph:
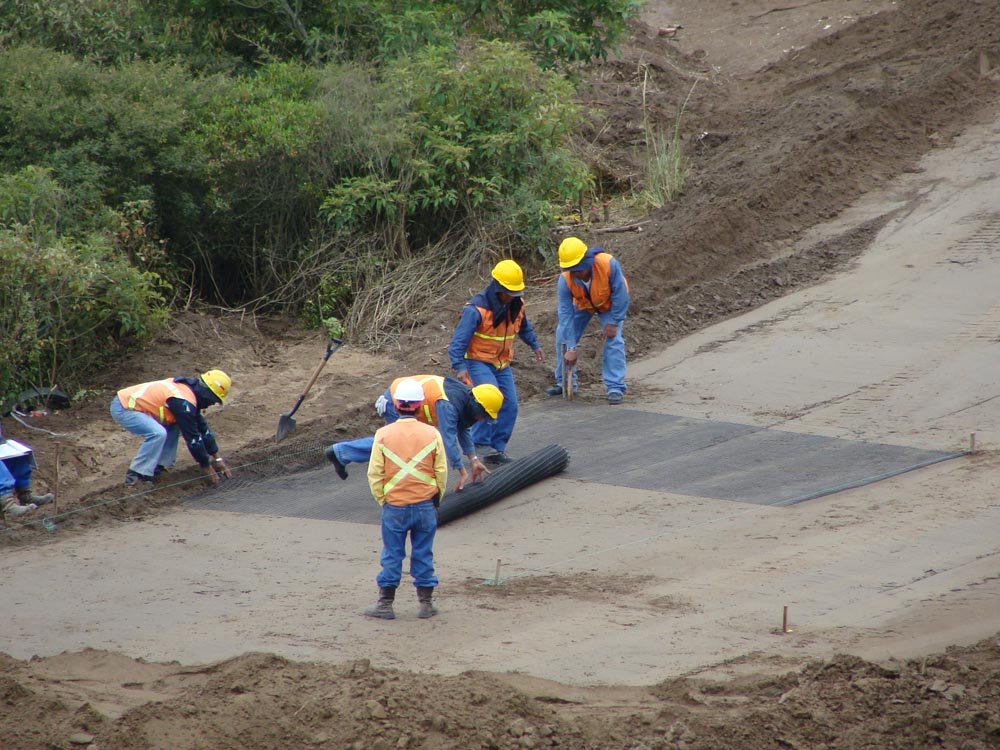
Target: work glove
[{"x": 380, "y": 404}]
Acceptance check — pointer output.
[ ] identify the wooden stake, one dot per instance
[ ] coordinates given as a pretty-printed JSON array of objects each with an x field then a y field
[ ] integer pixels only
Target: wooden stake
[
  {"x": 496, "y": 576},
  {"x": 784, "y": 619},
  {"x": 972, "y": 442},
  {"x": 55, "y": 504}
]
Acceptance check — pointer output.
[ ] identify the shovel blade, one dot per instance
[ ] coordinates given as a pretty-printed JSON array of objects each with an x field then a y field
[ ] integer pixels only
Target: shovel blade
[{"x": 285, "y": 425}]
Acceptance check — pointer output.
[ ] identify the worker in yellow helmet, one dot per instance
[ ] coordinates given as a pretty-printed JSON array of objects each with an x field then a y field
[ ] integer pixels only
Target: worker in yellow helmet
[
  {"x": 591, "y": 283},
  {"x": 162, "y": 411},
  {"x": 449, "y": 405},
  {"x": 482, "y": 348}
]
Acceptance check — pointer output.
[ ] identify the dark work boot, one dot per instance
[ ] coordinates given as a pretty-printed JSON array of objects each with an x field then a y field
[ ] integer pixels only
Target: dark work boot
[
  {"x": 383, "y": 607},
  {"x": 27, "y": 497},
  {"x": 425, "y": 596},
  {"x": 338, "y": 465}
]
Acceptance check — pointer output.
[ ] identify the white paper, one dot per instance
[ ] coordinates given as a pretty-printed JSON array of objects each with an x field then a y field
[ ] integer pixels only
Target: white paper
[{"x": 13, "y": 449}]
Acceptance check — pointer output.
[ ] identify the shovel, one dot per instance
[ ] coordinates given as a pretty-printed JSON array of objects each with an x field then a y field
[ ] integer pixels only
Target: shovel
[{"x": 285, "y": 423}]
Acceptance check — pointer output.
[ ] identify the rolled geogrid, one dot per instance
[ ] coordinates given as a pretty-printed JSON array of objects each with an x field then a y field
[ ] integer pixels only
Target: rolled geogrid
[{"x": 504, "y": 481}]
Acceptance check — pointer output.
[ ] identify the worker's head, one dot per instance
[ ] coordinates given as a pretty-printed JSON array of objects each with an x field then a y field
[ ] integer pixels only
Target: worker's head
[
  {"x": 489, "y": 397},
  {"x": 218, "y": 383},
  {"x": 510, "y": 277},
  {"x": 572, "y": 251},
  {"x": 407, "y": 396}
]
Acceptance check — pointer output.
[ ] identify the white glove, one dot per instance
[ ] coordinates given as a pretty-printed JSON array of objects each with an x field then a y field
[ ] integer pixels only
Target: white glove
[{"x": 380, "y": 404}]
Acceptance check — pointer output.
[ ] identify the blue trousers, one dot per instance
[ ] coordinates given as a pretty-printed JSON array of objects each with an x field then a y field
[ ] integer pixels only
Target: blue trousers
[
  {"x": 15, "y": 473},
  {"x": 159, "y": 443},
  {"x": 612, "y": 354},
  {"x": 496, "y": 434},
  {"x": 419, "y": 522}
]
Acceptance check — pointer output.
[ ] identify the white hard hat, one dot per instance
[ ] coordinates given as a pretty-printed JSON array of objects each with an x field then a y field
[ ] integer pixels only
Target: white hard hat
[{"x": 408, "y": 389}]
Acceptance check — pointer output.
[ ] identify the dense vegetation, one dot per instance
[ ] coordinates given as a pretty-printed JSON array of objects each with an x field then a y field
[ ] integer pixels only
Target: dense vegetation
[{"x": 272, "y": 154}]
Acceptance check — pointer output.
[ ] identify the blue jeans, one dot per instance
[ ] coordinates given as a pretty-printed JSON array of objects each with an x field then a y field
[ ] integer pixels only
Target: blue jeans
[
  {"x": 612, "y": 354},
  {"x": 484, "y": 432},
  {"x": 15, "y": 473},
  {"x": 159, "y": 443},
  {"x": 360, "y": 450},
  {"x": 420, "y": 522}
]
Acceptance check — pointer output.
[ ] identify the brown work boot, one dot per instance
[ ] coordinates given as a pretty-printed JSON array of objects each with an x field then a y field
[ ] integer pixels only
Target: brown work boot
[
  {"x": 26, "y": 497},
  {"x": 12, "y": 509},
  {"x": 383, "y": 607},
  {"x": 425, "y": 596}
]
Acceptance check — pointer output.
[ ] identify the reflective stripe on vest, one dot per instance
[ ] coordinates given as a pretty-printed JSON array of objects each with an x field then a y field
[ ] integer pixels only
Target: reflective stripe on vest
[
  {"x": 598, "y": 297},
  {"x": 433, "y": 386},
  {"x": 490, "y": 344},
  {"x": 151, "y": 398},
  {"x": 409, "y": 468}
]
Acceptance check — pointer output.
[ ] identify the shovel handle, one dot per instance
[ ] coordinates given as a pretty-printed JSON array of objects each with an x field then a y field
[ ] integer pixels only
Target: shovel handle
[{"x": 331, "y": 346}]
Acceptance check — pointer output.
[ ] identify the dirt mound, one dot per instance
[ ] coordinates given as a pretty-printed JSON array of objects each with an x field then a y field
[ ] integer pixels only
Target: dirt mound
[
  {"x": 836, "y": 109},
  {"x": 260, "y": 702}
]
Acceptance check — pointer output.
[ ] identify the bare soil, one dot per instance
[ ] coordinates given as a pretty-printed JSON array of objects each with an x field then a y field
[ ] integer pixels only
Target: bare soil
[{"x": 789, "y": 113}]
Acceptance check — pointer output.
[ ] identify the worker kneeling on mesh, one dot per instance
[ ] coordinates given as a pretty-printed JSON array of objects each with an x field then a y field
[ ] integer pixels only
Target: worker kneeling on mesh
[
  {"x": 447, "y": 404},
  {"x": 408, "y": 475}
]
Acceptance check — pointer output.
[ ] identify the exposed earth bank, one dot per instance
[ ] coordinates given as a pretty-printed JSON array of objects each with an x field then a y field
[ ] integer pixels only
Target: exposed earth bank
[{"x": 789, "y": 113}]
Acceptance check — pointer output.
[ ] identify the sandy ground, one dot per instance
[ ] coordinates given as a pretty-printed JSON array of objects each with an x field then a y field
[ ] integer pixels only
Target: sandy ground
[{"x": 602, "y": 585}]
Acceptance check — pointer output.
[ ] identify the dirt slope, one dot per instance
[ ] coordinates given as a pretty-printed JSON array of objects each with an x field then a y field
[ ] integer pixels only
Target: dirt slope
[{"x": 788, "y": 115}]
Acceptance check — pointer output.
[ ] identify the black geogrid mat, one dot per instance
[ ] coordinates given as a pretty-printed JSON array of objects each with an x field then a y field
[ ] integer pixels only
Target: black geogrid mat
[{"x": 626, "y": 447}]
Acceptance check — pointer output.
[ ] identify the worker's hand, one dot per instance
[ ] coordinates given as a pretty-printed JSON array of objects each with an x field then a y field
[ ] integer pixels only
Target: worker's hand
[
  {"x": 570, "y": 357},
  {"x": 463, "y": 375},
  {"x": 210, "y": 475},
  {"x": 610, "y": 331},
  {"x": 221, "y": 467},
  {"x": 463, "y": 477},
  {"x": 539, "y": 355},
  {"x": 479, "y": 469}
]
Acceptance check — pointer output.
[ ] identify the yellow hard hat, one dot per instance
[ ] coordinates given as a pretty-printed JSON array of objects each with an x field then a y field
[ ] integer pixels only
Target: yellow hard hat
[
  {"x": 218, "y": 383},
  {"x": 489, "y": 397},
  {"x": 510, "y": 275},
  {"x": 571, "y": 252}
]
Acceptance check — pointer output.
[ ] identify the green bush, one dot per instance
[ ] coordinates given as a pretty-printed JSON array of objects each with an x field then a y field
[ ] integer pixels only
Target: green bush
[
  {"x": 475, "y": 127},
  {"x": 67, "y": 308}
]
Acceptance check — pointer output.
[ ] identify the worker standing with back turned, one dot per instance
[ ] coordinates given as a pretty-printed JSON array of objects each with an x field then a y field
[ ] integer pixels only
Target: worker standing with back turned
[
  {"x": 482, "y": 348},
  {"x": 591, "y": 283},
  {"x": 408, "y": 475}
]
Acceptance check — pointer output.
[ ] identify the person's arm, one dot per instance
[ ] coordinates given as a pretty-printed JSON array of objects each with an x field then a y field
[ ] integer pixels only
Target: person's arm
[
  {"x": 198, "y": 437},
  {"x": 456, "y": 441},
  {"x": 567, "y": 311},
  {"x": 460, "y": 340},
  {"x": 619, "y": 293},
  {"x": 440, "y": 468},
  {"x": 376, "y": 472}
]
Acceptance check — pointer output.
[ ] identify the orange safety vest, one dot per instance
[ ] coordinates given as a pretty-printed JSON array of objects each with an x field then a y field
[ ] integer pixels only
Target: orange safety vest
[
  {"x": 599, "y": 298},
  {"x": 491, "y": 343},
  {"x": 413, "y": 466},
  {"x": 433, "y": 386},
  {"x": 151, "y": 398}
]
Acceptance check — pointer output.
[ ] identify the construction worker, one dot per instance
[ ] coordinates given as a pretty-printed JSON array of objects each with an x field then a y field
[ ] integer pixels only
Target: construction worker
[
  {"x": 407, "y": 474},
  {"x": 449, "y": 405},
  {"x": 591, "y": 283},
  {"x": 163, "y": 410},
  {"x": 482, "y": 348},
  {"x": 16, "y": 465}
]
